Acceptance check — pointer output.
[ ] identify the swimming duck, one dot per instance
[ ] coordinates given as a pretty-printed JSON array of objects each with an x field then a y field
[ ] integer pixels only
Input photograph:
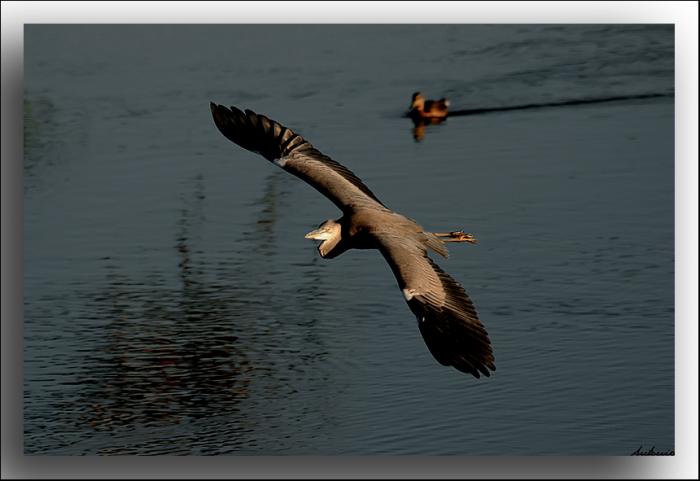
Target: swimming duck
[{"x": 428, "y": 109}]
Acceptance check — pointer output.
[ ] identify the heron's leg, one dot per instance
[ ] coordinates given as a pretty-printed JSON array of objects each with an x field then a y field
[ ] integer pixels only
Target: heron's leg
[{"x": 456, "y": 236}]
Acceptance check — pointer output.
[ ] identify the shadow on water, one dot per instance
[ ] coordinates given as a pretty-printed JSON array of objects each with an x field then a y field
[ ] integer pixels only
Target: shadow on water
[
  {"x": 563, "y": 103},
  {"x": 419, "y": 124}
]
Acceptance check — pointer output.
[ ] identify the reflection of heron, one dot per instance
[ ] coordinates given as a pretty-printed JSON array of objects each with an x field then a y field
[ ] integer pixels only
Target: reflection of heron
[
  {"x": 446, "y": 316},
  {"x": 428, "y": 109}
]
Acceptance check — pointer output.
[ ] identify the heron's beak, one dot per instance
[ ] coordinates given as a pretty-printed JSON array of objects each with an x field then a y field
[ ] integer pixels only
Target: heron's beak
[{"x": 318, "y": 234}]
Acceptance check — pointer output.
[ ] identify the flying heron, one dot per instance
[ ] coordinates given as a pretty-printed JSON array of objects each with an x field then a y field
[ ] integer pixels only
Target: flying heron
[{"x": 446, "y": 316}]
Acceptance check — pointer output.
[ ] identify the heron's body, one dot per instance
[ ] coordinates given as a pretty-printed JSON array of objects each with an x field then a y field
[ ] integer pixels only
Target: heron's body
[
  {"x": 446, "y": 316},
  {"x": 365, "y": 228}
]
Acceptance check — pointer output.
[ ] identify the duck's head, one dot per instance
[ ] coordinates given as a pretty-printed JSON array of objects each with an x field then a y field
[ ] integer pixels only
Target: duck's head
[{"x": 417, "y": 101}]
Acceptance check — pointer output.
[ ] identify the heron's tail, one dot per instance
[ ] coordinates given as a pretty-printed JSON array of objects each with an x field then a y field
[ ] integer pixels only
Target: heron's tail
[
  {"x": 436, "y": 244},
  {"x": 256, "y": 132}
]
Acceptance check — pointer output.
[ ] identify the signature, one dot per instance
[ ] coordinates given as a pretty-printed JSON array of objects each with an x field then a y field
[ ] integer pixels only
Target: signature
[{"x": 652, "y": 452}]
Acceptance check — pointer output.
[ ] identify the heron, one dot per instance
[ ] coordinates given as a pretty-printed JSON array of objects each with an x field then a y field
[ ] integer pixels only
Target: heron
[{"x": 447, "y": 318}]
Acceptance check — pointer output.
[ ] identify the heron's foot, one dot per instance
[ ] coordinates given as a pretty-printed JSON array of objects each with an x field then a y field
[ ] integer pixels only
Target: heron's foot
[{"x": 456, "y": 236}]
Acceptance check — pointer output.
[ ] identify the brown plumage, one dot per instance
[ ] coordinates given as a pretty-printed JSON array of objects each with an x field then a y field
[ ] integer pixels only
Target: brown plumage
[
  {"x": 428, "y": 109},
  {"x": 446, "y": 316}
]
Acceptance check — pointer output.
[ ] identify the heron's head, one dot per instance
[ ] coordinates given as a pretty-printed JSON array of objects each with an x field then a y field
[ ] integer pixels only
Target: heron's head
[
  {"x": 417, "y": 101},
  {"x": 329, "y": 232}
]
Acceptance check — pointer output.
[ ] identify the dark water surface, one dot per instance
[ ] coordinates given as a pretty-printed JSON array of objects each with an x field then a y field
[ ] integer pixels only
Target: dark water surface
[{"x": 172, "y": 305}]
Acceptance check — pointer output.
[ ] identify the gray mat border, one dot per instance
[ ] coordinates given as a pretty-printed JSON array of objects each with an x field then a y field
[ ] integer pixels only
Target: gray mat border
[{"x": 16, "y": 465}]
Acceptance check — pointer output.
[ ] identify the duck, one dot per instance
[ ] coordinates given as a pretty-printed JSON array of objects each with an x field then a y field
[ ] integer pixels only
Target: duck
[{"x": 428, "y": 109}]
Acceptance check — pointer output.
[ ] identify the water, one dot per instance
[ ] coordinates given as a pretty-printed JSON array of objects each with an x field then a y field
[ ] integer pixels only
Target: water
[{"x": 172, "y": 305}]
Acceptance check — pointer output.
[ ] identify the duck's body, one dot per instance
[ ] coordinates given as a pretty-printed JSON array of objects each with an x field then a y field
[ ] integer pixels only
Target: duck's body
[{"x": 428, "y": 109}]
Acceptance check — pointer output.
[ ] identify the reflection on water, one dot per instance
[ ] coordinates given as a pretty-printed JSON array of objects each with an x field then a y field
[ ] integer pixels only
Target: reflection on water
[
  {"x": 40, "y": 150},
  {"x": 419, "y": 126},
  {"x": 165, "y": 355}
]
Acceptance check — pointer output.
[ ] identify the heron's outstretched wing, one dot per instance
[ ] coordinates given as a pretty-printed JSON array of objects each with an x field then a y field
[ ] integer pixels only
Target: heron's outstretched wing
[
  {"x": 294, "y": 154},
  {"x": 446, "y": 316}
]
